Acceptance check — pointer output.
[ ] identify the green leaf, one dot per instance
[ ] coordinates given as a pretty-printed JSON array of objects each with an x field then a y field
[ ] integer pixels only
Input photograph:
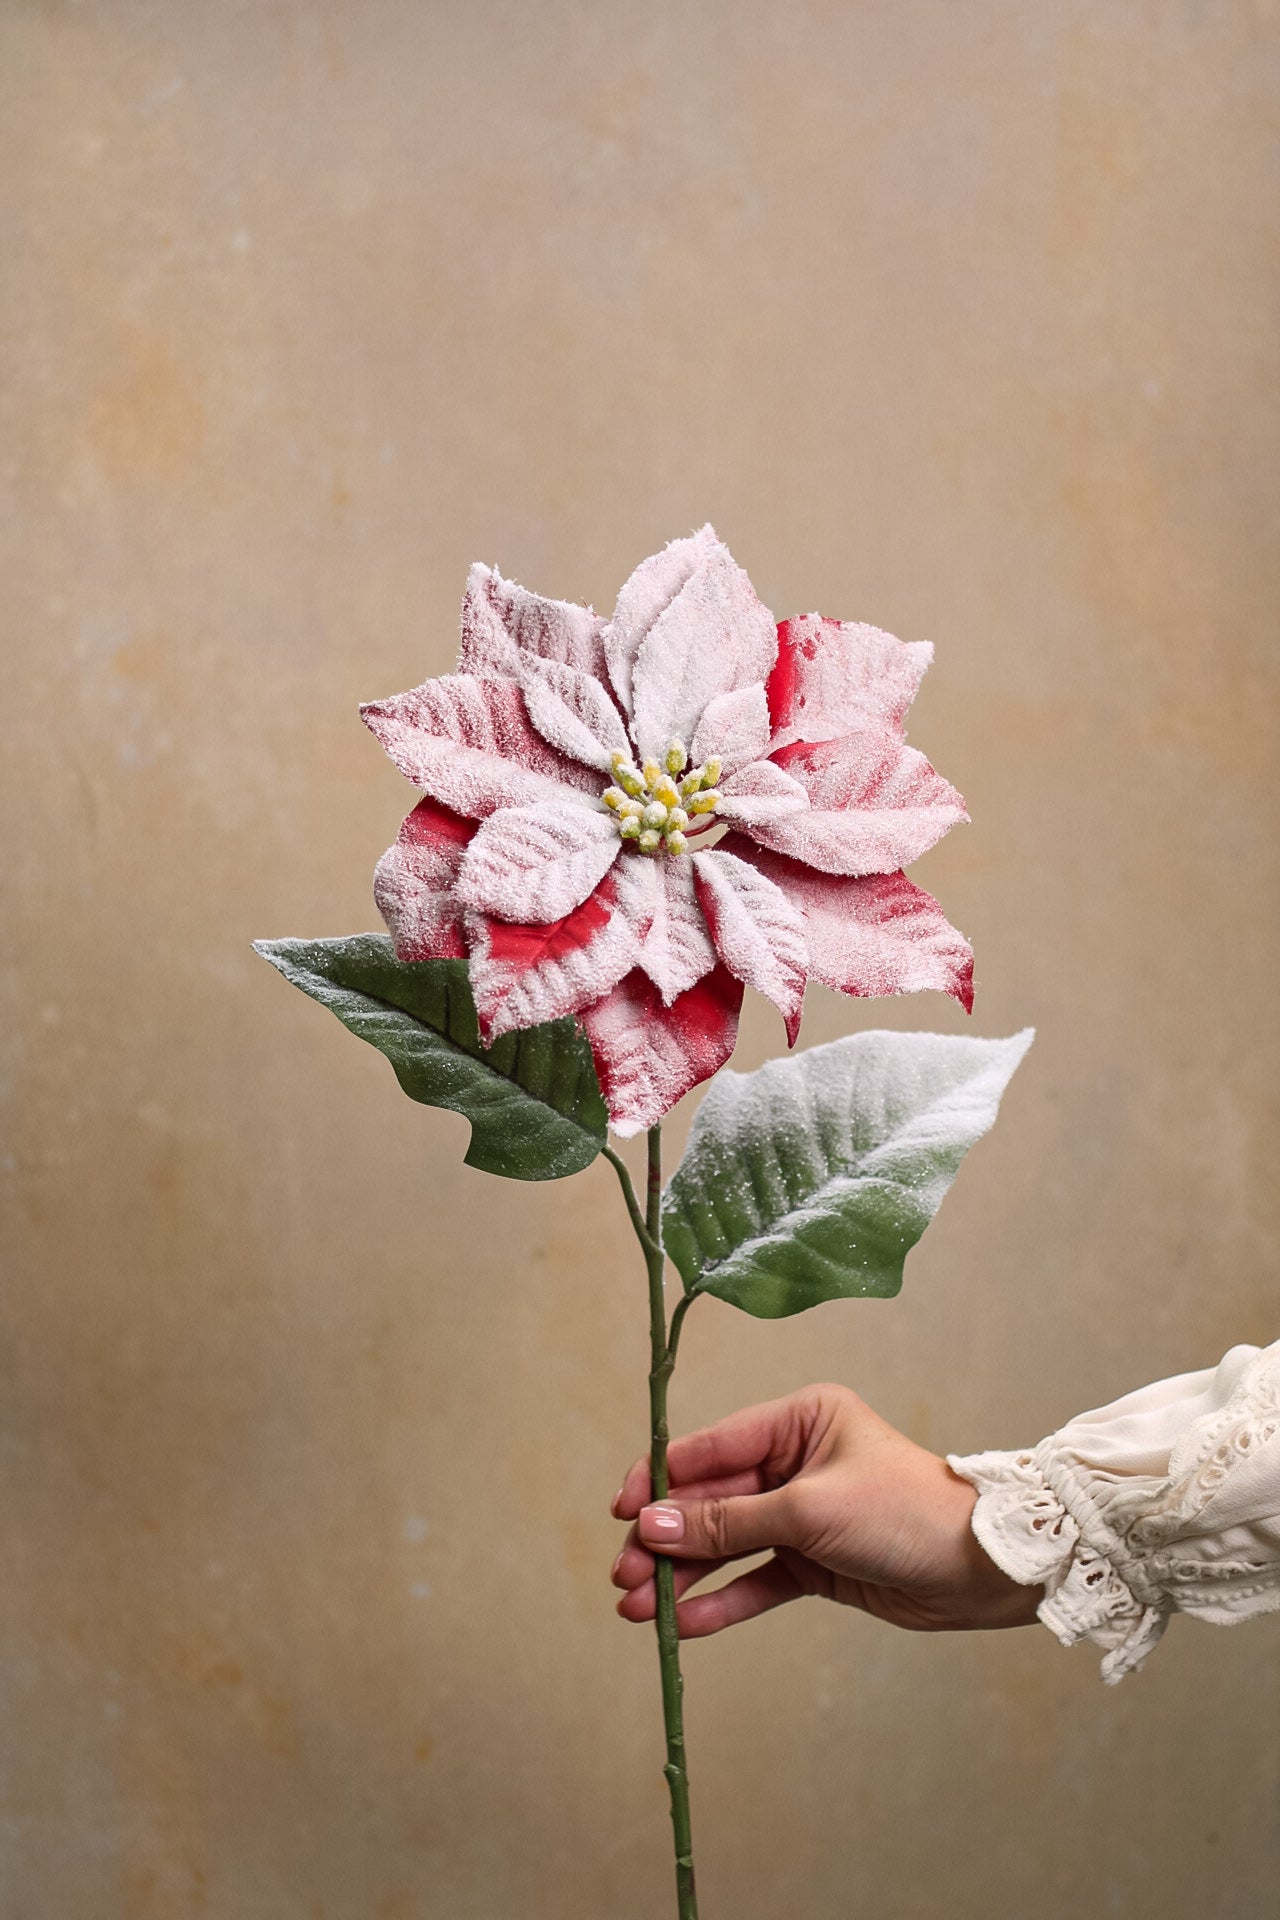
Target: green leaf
[
  {"x": 813, "y": 1178},
  {"x": 532, "y": 1098}
]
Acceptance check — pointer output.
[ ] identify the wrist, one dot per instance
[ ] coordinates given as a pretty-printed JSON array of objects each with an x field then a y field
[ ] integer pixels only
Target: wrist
[{"x": 992, "y": 1598}]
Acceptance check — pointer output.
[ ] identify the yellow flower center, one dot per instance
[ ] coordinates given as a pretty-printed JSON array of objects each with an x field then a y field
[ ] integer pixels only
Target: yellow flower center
[{"x": 652, "y": 804}]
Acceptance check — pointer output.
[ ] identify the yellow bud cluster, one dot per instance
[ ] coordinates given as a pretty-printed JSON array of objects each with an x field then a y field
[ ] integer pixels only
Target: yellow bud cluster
[{"x": 652, "y": 802}]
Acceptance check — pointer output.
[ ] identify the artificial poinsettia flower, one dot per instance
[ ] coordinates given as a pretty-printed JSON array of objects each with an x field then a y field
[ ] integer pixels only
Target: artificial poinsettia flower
[{"x": 629, "y": 820}]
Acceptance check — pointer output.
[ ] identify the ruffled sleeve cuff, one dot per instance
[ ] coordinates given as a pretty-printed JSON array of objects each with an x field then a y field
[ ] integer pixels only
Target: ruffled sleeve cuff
[{"x": 1166, "y": 1501}]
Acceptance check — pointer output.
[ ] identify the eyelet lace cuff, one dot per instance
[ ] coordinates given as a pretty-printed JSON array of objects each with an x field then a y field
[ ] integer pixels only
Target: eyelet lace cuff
[
  {"x": 1029, "y": 1533},
  {"x": 1119, "y": 1548}
]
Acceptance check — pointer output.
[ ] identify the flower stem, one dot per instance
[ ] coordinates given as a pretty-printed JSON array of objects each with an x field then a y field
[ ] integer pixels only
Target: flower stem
[{"x": 662, "y": 1359}]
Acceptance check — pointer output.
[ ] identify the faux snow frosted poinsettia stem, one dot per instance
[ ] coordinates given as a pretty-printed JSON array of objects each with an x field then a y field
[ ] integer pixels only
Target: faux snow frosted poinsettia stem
[{"x": 662, "y": 1360}]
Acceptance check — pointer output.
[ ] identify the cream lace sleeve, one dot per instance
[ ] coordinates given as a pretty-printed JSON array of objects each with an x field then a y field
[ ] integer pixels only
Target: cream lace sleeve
[{"x": 1166, "y": 1501}]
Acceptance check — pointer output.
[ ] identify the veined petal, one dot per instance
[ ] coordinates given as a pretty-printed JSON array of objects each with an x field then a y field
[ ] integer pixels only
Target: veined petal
[
  {"x": 648, "y": 1056},
  {"x": 649, "y": 591},
  {"x": 757, "y": 931},
  {"x": 413, "y": 884},
  {"x": 503, "y": 624},
  {"x": 573, "y": 712},
  {"x": 870, "y": 934},
  {"x": 760, "y": 794},
  {"x": 469, "y": 744},
  {"x": 834, "y": 675},
  {"x": 658, "y": 897},
  {"x": 534, "y": 864},
  {"x": 523, "y": 975},
  {"x": 712, "y": 638},
  {"x": 875, "y": 805},
  {"x": 734, "y": 729}
]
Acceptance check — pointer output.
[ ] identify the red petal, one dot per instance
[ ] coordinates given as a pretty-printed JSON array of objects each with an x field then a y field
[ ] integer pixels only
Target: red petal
[
  {"x": 875, "y": 804},
  {"x": 522, "y": 975},
  {"x": 832, "y": 675},
  {"x": 413, "y": 884},
  {"x": 871, "y": 934},
  {"x": 648, "y": 1056}
]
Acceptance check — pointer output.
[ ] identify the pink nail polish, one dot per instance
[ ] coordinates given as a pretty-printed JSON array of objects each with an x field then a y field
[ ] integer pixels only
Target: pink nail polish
[{"x": 662, "y": 1523}]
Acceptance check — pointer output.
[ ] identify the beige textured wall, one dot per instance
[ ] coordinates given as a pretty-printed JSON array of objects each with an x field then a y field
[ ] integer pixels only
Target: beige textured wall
[{"x": 959, "y": 319}]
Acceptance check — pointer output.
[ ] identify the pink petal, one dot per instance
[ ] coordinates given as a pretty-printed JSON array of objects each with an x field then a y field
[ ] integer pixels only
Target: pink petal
[
  {"x": 413, "y": 884},
  {"x": 648, "y": 1056},
  {"x": 573, "y": 712},
  {"x": 734, "y": 729},
  {"x": 712, "y": 638},
  {"x": 758, "y": 933},
  {"x": 875, "y": 805},
  {"x": 761, "y": 794},
  {"x": 469, "y": 743},
  {"x": 503, "y": 624},
  {"x": 534, "y": 864},
  {"x": 650, "y": 590},
  {"x": 834, "y": 675},
  {"x": 523, "y": 975},
  {"x": 869, "y": 934},
  {"x": 657, "y": 895}
]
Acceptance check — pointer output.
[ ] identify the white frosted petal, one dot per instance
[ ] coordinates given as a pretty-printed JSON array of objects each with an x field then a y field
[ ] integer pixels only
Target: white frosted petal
[
  {"x": 468, "y": 743},
  {"x": 757, "y": 932},
  {"x": 533, "y": 864},
  {"x": 712, "y": 638},
  {"x": 573, "y": 712},
  {"x": 761, "y": 793},
  {"x": 657, "y": 894},
  {"x": 734, "y": 729},
  {"x": 504, "y": 624},
  {"x": 649, "y": 591}
]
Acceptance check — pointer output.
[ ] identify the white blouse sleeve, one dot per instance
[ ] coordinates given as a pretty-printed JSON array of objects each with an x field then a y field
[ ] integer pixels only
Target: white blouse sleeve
[{"x": 1166, "y": 1501}]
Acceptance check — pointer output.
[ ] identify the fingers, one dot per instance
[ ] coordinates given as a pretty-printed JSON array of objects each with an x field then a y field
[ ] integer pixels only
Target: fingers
[
  {"x": 627, "y": 1505},
  {"x": 759, "y": 1591},
  {"x": 770, "y": 1436},
  {"x": 719, "y": 1527},
  {"x": 640, "y": 1601},
  {"x": 767, "y": 1441}
]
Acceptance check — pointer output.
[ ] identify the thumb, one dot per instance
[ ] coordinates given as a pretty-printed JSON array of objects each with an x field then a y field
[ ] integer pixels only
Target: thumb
[{"x": 720, "y": 1527}]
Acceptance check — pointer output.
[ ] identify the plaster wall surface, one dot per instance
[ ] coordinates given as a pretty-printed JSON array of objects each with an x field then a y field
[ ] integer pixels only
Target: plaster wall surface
[{"x": 956, "y": 319}]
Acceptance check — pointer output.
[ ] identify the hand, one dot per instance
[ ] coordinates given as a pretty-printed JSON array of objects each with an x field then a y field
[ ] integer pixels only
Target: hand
[{"x": 852, "y": 1509}]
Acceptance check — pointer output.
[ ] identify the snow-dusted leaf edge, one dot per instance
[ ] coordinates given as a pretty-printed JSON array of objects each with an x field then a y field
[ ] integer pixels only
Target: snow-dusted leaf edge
[
  {"x": 812, "y": 1178},
  {"x": 533, "y": 1098}
]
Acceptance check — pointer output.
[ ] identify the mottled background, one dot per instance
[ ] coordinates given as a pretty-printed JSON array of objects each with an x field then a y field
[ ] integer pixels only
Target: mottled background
[{"x": 957, "y": 319}]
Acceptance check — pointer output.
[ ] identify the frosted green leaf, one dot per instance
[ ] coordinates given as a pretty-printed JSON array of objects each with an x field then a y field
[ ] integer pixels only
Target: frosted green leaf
[
  {"x": 812, "y": 1178},
  {"x": 532, "y": 1098}
]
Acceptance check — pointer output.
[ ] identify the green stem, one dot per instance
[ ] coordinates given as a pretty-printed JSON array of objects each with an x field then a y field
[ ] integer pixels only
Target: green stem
[
  {"x": 662, "y": 1359},
  {"x": 619, "y": 1166}
]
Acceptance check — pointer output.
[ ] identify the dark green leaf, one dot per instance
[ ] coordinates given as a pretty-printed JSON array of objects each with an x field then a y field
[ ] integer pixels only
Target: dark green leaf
[
  {"x": 813, "y": 1178},
  {"x": 533, "y": 1099}
]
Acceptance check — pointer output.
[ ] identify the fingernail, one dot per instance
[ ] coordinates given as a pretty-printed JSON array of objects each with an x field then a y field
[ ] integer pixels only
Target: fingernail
[
  {"x": 613, "y": 1504},
  {"x": 613, "y": 1571},
  {"x": 662, "y": 1523}
]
